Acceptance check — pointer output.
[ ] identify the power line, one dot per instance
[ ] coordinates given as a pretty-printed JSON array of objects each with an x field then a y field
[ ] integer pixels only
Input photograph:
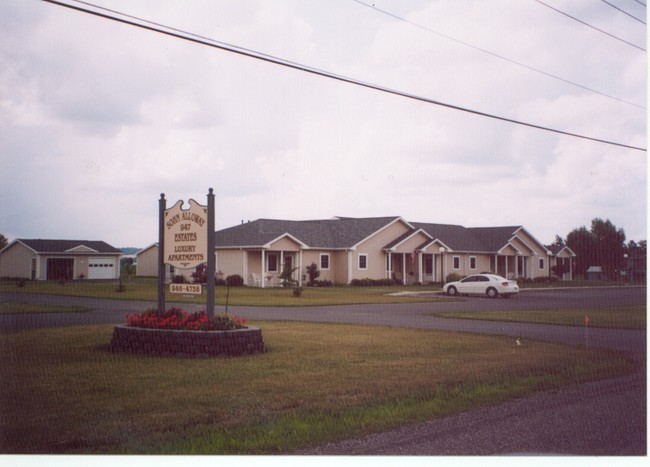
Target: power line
[
  {"x": 623, "y": 11},
  {"x": 493, "y": 54},
  {"x": 589, "y": 25},
  {"x": 307, "y": 69}
]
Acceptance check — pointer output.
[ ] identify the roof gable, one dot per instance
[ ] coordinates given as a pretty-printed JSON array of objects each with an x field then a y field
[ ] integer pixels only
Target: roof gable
[{"x": 68, "y": 246}]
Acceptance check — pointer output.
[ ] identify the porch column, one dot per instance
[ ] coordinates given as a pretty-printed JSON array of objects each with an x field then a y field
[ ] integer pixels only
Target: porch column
[
  {"x": 403, "y": 268},
  {"x": 349, "y": 266},
  {"x": 263, "y": 278},
  {"x": 245, "y": 268},
  {"x": 516, "y": 266},
  {"x": 420, "y": 267},
  {"x": 390, "y": 266},
  {"x": 300, "y": 267},
  {"x": 506, "y": 261}
]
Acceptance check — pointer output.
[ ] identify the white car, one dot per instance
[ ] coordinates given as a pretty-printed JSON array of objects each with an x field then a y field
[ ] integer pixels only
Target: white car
[{"x": 482, "y": 284}]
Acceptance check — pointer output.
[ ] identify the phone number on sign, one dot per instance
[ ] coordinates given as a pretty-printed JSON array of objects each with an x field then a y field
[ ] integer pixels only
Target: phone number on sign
[{"x": 186, "y": 288}]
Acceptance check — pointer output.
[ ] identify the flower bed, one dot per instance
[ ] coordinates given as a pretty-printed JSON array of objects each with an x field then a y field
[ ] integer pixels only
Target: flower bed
[
  {"x": 181, "y": 334},
  {"x": 175, "y": 318}
]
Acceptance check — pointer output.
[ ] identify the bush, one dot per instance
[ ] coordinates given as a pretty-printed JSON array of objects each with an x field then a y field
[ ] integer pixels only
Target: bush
[
  {"x": 313, "y": 273},
  {"x": 234, "y": 281},
  {"x": 453, "y": 277},
  {"x": 367, "y": 282},
  {"x": 322, "y": 283},
  {"x": 179, "y": 280}
]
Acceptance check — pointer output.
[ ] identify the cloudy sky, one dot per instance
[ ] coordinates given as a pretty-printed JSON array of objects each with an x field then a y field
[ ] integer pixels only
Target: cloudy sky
[{"x": 97, "y": 118}]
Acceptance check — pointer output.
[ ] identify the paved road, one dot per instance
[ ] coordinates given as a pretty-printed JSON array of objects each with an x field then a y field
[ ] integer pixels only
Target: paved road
[{"x": 602, "y": 418}]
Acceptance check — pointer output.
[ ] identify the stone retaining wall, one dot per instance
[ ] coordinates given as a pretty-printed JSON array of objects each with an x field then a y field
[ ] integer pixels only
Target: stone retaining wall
[{"x": 172, "y": 343}]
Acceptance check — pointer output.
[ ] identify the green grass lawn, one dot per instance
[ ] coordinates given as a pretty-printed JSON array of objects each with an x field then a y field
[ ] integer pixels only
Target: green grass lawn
[
  {"x": 146, "y": 289},
  {"x": 621, "y": 317},
  {"x": 24, "y": 308},
  {"x": 63, "y": 392}
]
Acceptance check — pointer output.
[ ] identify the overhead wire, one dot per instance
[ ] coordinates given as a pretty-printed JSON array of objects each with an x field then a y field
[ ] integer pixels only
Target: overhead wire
[
  {"x": 623, "y": 11},
  {"x": 179, "y": 34},
  {"x": 496, "y": 55},
  {"x": 589, "y": 25}
]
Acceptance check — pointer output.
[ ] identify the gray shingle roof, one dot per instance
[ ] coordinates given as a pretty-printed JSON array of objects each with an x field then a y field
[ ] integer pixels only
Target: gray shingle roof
[
  {"x": 346, "y": 232},
  {"x": 340, "y": 232},
  {"x": 62, "y": 246}
]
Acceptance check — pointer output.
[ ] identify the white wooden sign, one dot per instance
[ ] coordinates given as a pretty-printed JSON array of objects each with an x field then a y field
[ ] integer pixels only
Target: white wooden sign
[{"x": 186, "y": 235}]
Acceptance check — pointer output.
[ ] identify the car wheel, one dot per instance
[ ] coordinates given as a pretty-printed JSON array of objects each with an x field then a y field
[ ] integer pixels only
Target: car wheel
[
  {"x": 451, "y": 291},
  {"x": 492, "y": 292}
]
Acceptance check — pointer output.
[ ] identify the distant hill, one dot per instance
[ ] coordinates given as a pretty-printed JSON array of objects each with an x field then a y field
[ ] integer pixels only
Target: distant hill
[{"x": 130, "y": 250}]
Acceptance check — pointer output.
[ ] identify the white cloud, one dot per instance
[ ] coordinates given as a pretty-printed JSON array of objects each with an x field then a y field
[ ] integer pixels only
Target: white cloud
[{"x": 97, "y": 118}]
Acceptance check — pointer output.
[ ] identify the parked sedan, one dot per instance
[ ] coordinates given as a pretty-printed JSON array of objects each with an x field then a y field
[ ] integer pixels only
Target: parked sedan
[{"x": 482, "y": 284}]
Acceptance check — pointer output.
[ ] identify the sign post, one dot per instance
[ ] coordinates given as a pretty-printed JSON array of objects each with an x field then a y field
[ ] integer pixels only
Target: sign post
[
  {"x": 186, "y": 240},
  {"x": 209, "y": 308},
  {"x": 162, "y": 206}
]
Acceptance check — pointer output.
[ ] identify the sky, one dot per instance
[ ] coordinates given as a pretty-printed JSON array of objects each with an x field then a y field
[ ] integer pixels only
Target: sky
[{"x": 98, "y": 118}]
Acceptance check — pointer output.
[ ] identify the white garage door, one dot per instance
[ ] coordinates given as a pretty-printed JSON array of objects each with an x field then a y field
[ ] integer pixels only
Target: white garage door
[{"x": 101, "y": 268}]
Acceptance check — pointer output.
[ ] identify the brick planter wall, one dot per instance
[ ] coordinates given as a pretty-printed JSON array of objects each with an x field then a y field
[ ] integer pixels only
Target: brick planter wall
[{"x": 172, "y": 343}]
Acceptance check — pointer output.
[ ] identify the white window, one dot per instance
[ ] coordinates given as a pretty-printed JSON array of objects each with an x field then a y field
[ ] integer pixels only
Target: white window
[
  {"x": 363, "y": 261},
  {"x": 472, "y": 262},
  {"x": 456, "y": 262},
  {"x": 325, "y": 261},
  {"x": 541, "y": 263}
]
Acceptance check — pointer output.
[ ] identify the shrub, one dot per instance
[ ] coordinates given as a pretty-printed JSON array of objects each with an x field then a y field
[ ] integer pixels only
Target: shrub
[
  {"x": 313, "y": 273},
  {"x": 199, "y": 276},
  {"x": 178, "y": 319},
  {"x": 453, "y": 277},
  {"x": 179, "y": 280},
  {"x": 234, "y": 281},
  {"x": 367, "y": 282},
  {"x": 322, "y": 283}
]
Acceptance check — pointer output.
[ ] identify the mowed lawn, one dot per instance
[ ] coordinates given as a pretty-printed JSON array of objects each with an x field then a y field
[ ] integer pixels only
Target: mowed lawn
[
  {"x": 146, "y": 289},
  {"x": 620, "y": 317},
  {"x": 61, "y": 391}
]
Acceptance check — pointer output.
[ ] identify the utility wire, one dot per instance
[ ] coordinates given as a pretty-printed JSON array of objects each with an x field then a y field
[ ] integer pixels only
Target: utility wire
[
  {"x": 307, "y": 69},
  {"x": 623, "y": 11},
  {"x": 493, "y": 54},
  {"x": 589, "y": 25},
  {"x": 640, "y": 3}
]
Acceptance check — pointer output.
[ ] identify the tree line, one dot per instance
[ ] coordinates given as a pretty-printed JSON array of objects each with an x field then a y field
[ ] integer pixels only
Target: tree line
[{"x": 604, "y": 245}]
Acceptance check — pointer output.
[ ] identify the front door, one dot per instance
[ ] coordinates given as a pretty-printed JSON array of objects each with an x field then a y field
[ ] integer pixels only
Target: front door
[{"x": 60, "y": 269}]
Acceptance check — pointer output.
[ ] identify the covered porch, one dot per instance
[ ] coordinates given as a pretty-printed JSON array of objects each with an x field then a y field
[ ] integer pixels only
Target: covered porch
[
  {"x": 263, "y": 267},
  {"x": 415, "y": 267}
]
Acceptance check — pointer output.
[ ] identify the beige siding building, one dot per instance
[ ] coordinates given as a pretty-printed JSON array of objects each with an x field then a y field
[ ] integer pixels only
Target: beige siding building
[
  {"x": 60, "y": 260},
  {"x": 345, "y": 249}
]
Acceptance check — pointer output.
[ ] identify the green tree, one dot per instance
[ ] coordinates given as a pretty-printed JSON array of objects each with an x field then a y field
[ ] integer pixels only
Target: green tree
[
  {"x": 3, "y": 241},
  {"x": 603, "y": 246}
]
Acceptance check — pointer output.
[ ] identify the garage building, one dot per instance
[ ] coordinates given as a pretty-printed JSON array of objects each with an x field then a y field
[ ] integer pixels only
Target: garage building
[{"x": 60, "y": 260}]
